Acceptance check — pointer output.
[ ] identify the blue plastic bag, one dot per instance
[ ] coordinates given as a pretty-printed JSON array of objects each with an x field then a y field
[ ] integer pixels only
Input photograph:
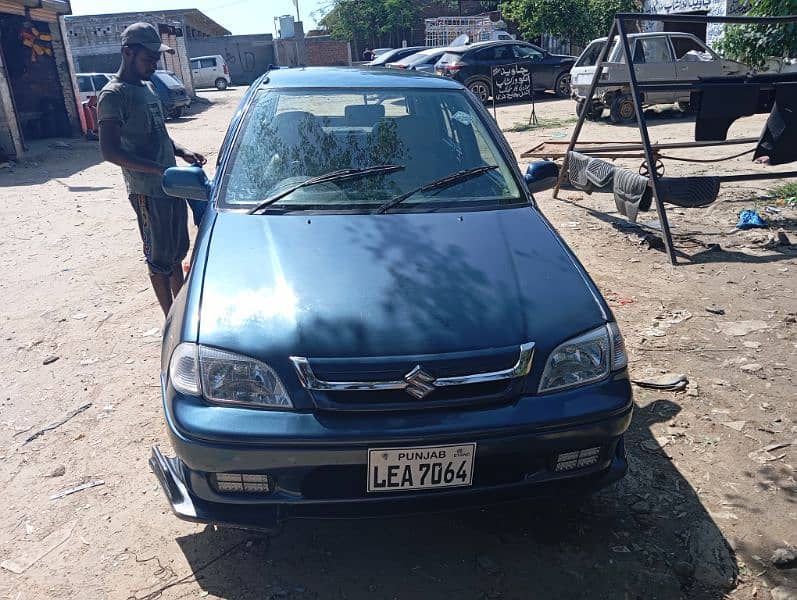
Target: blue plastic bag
[{"x": 750, "y": 219}]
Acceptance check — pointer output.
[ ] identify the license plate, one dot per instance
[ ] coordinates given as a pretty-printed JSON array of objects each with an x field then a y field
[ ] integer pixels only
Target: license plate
[{"x": 420, "y": 468}]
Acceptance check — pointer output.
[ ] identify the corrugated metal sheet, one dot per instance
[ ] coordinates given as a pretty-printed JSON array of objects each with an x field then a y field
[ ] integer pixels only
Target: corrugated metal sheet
[{"x": 11, "y": 8}]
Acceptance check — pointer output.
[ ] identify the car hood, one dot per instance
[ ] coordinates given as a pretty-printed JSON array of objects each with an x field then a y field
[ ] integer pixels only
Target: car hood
[{"x": 391, "y": 285}]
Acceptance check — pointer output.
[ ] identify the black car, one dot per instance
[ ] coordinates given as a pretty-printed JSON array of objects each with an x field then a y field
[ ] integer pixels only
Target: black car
[
  {"x": 471, "y": 66},
  {"x": 395, "y": 55},
  {"x": 171, "y": 93}
]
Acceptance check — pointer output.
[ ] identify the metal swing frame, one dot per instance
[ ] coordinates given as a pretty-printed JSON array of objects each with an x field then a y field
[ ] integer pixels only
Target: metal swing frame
[{"x": 618, "y": 28}]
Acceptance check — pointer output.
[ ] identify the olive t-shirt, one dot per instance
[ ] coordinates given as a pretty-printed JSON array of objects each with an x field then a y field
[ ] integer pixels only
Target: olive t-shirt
[{"x": 144, "y": 135}]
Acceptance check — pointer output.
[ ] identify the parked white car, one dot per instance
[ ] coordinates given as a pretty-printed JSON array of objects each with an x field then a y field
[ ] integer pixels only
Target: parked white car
[
  {"x": 90, "y": 84},
  {"x": 658, "y": 56},
  {"x": 210, "y": 71}
]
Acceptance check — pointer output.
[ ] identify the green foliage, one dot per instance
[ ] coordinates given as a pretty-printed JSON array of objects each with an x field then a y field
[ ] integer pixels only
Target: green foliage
[
  {"x": 580, "y": 21},
  {"x": 754, "y": 44}
]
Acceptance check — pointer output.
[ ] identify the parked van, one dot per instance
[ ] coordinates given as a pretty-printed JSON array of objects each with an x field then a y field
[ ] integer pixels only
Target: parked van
[{"x": 210, "y": 71}]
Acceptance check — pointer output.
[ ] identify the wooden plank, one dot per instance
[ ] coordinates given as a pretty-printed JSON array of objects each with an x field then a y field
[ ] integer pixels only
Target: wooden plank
[{"x": 12, "y": 8}]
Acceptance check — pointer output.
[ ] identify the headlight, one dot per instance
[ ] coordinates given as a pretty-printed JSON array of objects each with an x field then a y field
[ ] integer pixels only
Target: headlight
[
  {"x": 587, "y": 358},
  {"x": 226, "y": 377}
]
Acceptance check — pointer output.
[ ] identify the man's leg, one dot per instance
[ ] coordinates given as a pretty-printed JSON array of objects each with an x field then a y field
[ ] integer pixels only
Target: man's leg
[
  {"x": 177, "y": 279},
  {"x": 164, "y": 232},
  {"x": 163, "y": 291}
]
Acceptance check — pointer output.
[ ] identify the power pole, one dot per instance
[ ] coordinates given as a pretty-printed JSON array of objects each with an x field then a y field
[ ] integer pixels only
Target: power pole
[{"x": 296, "y": 4}]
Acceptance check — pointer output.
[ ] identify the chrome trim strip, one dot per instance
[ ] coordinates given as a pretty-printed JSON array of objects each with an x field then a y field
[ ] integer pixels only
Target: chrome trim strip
[{"x": 311, "y": 382}]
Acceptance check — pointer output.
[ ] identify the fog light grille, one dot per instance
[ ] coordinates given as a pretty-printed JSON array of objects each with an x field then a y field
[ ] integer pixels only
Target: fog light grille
[
  {"x": 247, "y": 483},
  {"x": 577, "y": 459}
]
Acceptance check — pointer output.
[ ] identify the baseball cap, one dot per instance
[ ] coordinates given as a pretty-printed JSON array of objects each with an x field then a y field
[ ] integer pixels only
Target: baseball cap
[{"x": 144, "y": 34}]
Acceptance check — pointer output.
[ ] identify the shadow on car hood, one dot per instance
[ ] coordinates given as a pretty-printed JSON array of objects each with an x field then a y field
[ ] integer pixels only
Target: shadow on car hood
[{"x": 390, "y": 285}]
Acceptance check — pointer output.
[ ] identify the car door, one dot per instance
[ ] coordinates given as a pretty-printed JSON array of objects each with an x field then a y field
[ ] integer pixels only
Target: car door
[
  {"x": 653, "y": 62},
  {"x": 211, "y": 71},
  {"x": 84, "y": 87},
  {"x": 196, "y": 73},
  {"x": 493, "y": 56},
  {"x": 534, "y": 60},
  {"x": 693, "y": 59}
]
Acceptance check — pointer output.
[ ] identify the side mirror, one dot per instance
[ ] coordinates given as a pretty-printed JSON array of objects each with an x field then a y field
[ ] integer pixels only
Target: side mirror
[
  {"x": 187, "y": 182},
  {"x": 541, "y": 175}
]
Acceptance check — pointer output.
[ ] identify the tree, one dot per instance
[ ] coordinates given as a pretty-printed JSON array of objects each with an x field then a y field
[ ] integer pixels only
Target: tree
[
  {"x": 754, "y": 44},
  {"x": 378, "y": 23},
  {"x": 580, "y": 21}
]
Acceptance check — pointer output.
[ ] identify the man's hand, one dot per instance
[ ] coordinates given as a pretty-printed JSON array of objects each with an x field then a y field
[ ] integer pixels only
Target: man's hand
[{"x": 192, "y": 158}]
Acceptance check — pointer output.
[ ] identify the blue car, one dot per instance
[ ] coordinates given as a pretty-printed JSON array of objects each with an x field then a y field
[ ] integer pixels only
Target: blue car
[{"x": 378, "y": 319}]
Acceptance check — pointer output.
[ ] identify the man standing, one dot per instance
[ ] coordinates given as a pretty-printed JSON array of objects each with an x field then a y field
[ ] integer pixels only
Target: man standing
[
  {"x": 368, "y": 54},
  {"x": 133, "y": 135}
]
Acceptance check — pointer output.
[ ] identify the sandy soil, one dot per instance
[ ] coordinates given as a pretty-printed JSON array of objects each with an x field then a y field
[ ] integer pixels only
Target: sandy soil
[{"x": 699, "y": 515}]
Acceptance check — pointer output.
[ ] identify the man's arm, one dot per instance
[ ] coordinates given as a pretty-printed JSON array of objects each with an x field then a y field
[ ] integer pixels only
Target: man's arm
[
  {"x": 112, "y": 151},
  {"x": 192, "y": 158}
]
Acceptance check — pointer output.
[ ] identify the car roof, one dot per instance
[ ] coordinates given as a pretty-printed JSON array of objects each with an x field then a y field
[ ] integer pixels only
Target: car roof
[
  {"x": 357, "y": 77},
  {"x": 647, "y": 34},
  {"x": 207, "y": 56},
  {"x": 488, "y": 43}
]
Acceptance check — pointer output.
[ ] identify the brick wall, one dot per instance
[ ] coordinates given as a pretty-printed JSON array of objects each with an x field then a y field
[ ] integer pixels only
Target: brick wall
[{"x": 323, "y": 51}]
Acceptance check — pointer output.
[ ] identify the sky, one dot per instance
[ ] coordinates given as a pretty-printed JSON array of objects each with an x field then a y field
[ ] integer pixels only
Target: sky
[{"x": 239, "y": 16}]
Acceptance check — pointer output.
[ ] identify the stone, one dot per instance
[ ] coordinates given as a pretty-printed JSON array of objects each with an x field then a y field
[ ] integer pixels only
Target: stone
[
  {"x": 751, "y": 368},
  {"x": 740, "y": 328},
  {"x": 708, "y": 549},
  {"x": 783, "y": 592},
  {"x": 50, "y": 360},
  {"x": 784, "y": 558}
]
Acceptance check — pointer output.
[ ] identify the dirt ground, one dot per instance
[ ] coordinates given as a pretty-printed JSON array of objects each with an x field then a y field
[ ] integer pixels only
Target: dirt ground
[{"x": 711, "y": 491}]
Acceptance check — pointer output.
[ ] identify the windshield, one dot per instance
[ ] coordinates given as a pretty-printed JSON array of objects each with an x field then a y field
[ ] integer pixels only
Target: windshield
[
  {"x": 168, "y": 80},
  {"x": 591, "y": 54},
  {"x": 290, "y": 136},
  {"x": 420, "y": 58}
]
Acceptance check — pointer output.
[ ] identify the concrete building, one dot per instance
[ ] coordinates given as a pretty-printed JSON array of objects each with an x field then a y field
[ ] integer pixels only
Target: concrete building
[
  {"x": 95, "y": 38},
  {"x": 38, "y": 96},
  {"x": 710, "y": 32}
]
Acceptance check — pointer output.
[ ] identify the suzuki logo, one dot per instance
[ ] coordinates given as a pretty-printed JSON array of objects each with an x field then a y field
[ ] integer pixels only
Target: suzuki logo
[{"x": 419, "y": 383}]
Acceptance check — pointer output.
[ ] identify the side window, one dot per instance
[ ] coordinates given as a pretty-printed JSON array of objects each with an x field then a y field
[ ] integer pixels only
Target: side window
[
  {"x": 652, "y": 50},
  {"x": 99, "y": 82},
  {"x": 207, "y": 63},
  {"x": 486, "y": 54},
  {"x": 194, "y": 64},
  {"x": 527, "y": 53},
  {"x": 504, "y": 52},
  {"x": 689, "y": 49},
  {"x": 84, "y": 83}
]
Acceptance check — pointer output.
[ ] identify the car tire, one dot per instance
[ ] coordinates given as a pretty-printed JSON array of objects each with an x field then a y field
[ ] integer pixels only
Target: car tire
[
  {"x": 594, "y": 113},
  {"x": 221, "y": 84},
  {"x": 622, "y": 109},
  {"x": 177, "y": 112},
  {"x": 562, "y": 86},
  {"x": 480, "y": 88}
]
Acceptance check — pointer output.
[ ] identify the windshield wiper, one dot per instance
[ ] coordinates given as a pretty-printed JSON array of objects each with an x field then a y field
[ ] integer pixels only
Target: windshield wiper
[
  {"x": 340, "y": 175},
  {"x": 437, "y": 184}
]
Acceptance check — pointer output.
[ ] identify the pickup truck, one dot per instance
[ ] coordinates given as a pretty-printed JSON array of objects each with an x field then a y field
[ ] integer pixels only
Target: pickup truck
[{"x": 657, "y": 56}]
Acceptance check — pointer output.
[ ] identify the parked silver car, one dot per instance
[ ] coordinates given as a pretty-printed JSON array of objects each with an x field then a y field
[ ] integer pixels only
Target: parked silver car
[{"x": 659, "y": 56}]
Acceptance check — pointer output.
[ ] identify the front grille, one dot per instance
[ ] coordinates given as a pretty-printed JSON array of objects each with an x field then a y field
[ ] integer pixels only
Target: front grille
[{"x": 396, "y": 368}]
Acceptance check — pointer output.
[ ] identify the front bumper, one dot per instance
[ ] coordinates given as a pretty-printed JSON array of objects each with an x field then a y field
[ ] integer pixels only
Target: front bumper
[{"x": 329, "y": 480}]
